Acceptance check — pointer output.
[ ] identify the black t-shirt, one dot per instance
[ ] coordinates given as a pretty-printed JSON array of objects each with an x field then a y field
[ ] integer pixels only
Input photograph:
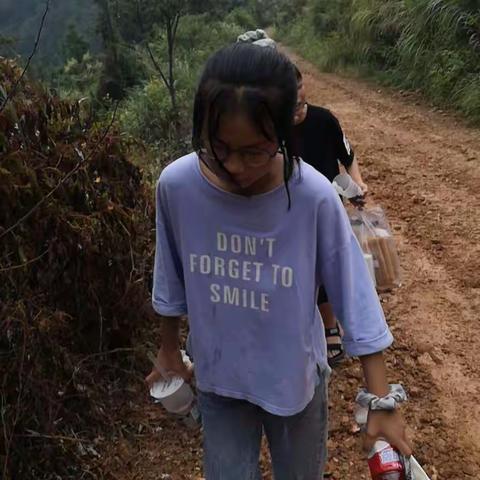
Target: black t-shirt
[{"x": 319, "y": 141}]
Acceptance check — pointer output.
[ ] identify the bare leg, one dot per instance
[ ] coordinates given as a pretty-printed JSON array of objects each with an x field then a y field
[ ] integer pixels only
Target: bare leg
[
  {"x": 329, "y": 320},
  {"x": 335, "y": 349}
]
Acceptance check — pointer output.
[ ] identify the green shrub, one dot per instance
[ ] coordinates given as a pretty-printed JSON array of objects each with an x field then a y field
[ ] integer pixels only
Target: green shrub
[
  {"x": 80, "y": 77},
  {"x": 241, "y": 17},
  {"x": 147, "y": 112}
]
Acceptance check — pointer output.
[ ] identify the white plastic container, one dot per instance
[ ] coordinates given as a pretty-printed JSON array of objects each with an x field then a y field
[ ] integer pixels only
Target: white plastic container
[
  {"x": 346, "y": 187},
  {"x": 371, "y": 267}
]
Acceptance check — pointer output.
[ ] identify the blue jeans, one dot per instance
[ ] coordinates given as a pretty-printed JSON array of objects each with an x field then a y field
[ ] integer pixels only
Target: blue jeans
[{"x": 232, "y": 433}]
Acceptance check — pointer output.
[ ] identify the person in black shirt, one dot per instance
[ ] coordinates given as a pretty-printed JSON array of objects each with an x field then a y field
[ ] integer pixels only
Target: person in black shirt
[{"x": 320, "y": 141}]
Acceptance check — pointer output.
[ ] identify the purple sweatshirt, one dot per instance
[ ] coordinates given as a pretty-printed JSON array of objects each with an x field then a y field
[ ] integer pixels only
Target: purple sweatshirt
[{"x": 246, "y": 271}]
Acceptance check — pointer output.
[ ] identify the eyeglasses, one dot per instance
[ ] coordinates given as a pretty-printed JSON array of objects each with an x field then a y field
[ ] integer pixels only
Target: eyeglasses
[
  {"x": 250, "y": 157},
  {"x": 300, "y": 105}
]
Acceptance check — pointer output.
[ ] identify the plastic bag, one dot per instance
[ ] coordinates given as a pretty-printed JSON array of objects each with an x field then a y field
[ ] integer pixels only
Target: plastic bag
[{"x": 373, "y": 232}]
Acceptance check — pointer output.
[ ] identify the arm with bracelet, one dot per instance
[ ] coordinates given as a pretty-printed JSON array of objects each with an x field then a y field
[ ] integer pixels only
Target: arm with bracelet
[
  {"x": 366, "y": 333},
  {"x": 382, "y": 400}
]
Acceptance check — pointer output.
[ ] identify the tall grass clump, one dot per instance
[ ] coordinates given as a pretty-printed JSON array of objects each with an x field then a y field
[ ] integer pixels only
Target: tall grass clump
[{"x": 427, "y": 45}]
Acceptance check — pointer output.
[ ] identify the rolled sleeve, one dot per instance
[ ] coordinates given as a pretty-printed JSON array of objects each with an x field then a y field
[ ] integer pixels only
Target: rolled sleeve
[
  {"x": 350, "y": 289},
  {"x": 168, "y": 295}
]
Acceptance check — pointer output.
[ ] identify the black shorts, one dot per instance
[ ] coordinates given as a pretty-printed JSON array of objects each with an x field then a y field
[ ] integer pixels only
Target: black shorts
[{"x": 322, "y": 295}]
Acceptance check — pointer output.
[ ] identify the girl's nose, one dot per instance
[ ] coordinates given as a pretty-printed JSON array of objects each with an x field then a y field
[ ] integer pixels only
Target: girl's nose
[{"x": 234, "y": 163}]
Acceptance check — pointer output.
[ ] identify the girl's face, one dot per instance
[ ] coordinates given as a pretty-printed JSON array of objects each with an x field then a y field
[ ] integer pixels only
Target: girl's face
[
  {"x": 247, "y": 156},
  {"x": 301, "y": 107}
]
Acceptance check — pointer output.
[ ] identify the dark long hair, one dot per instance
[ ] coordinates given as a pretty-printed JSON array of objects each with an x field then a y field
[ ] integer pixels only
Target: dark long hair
[{"x": 261, "y": 82}]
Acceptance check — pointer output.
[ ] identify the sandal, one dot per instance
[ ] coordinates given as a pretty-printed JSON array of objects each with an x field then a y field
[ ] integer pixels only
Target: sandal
[{"x": 335, "y": 352}]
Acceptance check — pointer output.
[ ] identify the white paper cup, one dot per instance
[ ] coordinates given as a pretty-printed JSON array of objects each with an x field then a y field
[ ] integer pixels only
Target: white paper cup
[{"x": 174, "y": 393}]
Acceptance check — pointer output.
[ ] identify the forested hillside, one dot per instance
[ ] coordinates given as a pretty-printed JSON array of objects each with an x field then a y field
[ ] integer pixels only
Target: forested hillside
[{"x": 20, "y": 20}]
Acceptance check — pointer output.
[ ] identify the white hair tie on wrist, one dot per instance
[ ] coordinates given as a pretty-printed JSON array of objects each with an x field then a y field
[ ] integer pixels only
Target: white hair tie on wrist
[{"x": 390, "y": 401}]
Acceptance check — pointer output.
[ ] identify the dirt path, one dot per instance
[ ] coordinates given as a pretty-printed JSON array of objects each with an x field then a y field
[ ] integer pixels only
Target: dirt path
[{"x": 423, "y": 167}]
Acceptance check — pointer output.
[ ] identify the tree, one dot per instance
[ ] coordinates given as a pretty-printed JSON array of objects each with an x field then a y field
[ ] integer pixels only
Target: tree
[
  {"x": 124, "y": 24},
  {"x": 217, "y": 8},
  {"x": 153, "y": 25},
  {"x": 75, "y": 45},
  {"x": 166, "y": 14},
  {"x": 6, "y": 44},
  {"x": 120, "y": 67}
]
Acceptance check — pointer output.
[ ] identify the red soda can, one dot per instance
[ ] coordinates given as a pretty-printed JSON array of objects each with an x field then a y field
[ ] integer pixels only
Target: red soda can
[{"x": 385, "y": 463}]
